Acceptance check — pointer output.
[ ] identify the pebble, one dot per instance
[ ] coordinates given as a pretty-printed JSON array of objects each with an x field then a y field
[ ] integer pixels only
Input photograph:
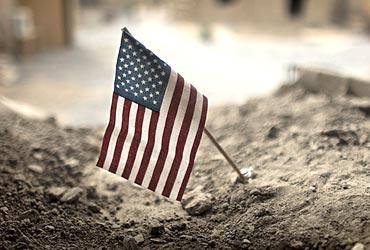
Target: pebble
[
  {"x": 49, "y": 228},
  {"x": 139, "y": 239},
  {"x": 129, "y": 243},
  {"x": 4, "y": 210},
  {"x": 157, "y": 240},
  {"x": 54, "y": 193},
  {"x": 246, "y": 241},
  {"x": 186, "y": 237},
  {"x": 35, "y": 168},
  {"x": 358, "y": 246},
  {"x": 313, "y": 188},
  {"x": 72, "y": 195},
  {"x": 197, "y": 202},
  {"x": 93, "y": 208},
  {"x": 157, "y": 230}
]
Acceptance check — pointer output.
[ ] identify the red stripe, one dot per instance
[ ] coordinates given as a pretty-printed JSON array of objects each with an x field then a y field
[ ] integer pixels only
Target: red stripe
[
  {"x": 108, "y": 132},
  {"x": 121, "y": 137},
  {"x": 170, "y": 119},
  {"x": 184, "y": 131},
  {"x": 135, "y": 142},
  {"x": 148, "y": 149},
  {"x": 194, "y": 149}
]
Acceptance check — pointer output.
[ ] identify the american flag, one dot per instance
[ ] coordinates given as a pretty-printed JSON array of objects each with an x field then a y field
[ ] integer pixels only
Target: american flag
[{"x": 156, "y": 122}]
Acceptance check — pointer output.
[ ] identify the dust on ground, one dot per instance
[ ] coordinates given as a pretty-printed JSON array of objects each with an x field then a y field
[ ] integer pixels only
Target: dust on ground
[{"x": 310, "y": 185}]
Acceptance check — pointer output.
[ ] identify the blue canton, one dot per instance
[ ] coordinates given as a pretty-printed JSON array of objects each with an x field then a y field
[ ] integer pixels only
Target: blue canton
[{"x": 141, "y": 76}]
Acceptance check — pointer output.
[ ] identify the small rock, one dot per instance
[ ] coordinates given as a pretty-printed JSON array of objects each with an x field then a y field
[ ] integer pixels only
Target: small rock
[
  {"x": 49, "y": 228},
  {"x": 29, "y": 214},
  {"x": 93, "y": 208},
  {"x": 158, "y": 241},
  {"x": 38, "y": 156},
  {"x": 4, "y": 210},
  {"x": 186, "y": 237},
  {"x": 91, "y": 193},
  {"x": 157, "y": 230},
  {"x": 197, "y": 202},
  {"x": 139, "y": 239},
  {"x": 313, "y": 189},
  {"x": 54, "y": 193},
  {"x": 129, "y": 243},
  {"x": 273, "y": 133},
  {"x": 35, "y": 168},
  {"x": 72, "y": 195},
  {"x": 246, "y": 241},
  {"x": 178, "y": 227},
  {"x": 358, "y": 246}
]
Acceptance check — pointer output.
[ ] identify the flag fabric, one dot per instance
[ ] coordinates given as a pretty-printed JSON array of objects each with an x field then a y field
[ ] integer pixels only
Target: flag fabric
[{"x": 156, "y": 122}]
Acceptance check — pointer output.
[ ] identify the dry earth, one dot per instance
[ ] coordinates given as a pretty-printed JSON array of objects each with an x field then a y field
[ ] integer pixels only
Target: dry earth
[{"x": 310, "y": 184}]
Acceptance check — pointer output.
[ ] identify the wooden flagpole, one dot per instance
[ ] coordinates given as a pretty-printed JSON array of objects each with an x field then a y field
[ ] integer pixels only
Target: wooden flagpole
[{"x": 227, "y": 157}]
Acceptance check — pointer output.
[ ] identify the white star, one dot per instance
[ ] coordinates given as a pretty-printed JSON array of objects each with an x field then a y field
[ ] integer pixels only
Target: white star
[
  {"x": 124, "y": 75},
  {"x": 135, "y": 94},
  {"x": 117, "y": 85},
  {"x": 131, "y": 87},
  {"x": 126, "y": 90},
  {"x": 160, "y": 82},
  {"x": 146, "y": 72},
  {"x": 127, "y": 56},
  {"x": 126, "y": 65},
  {"x": 151, "y": 95},
  {"x": 121, "y": 59},
  {"x": 141, "y": 66},
  {"x": 123, "y": 50},
  {"x": 141, "y": 50},
  {"x": 133, "y": 78},
  {"x": 131, "y": 63},
  {"x": 141, "y": 91},
  {"x": 163, "y": 73},
  {"x": 138, "y": 60},
  {"x": 120, "y": 68},
  {"x": 151, "y": 53},
  {"x": 159, "y": 66},
  {"x": 154, "y": 102},
  {"x": 134, "y": 53},
  {"x": 145, "y": 98},
  {"x": 149, "y": 79},
  {"x": 164, "y": 64},
  {"x": 148, "y": 63},
  {"x": 157, "y": 92},
  {"x": 154, "y": 86},
  {"x": 144, "y": 57},
  {"x": 122, "y": 83},
  {"x": 130, "y": 46},
  {"x": 126, "y": 40},
  {"x": 146, "y": 89},
  {"x": 156, "y": 76},
  {"x": 129, "y": 72},
  {"x": 128, "y": 81},
  {"x": 143, "y": 82},
  {"x": 152, "y": 70},
  {"x": 137, "y": 85},
  {"x": 155, "y": 60},
  {"x": 135, "y": 68},
  {"x": 139, "y": 75},
  {"x": 119, "y": 78}
]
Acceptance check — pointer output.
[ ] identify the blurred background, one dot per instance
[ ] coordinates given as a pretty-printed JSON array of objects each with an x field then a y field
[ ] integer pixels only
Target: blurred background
[{"x": 58, "y": 56}]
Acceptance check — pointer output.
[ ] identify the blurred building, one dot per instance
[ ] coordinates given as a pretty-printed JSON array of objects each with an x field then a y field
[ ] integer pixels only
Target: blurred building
[
  {"x": 28, "y": 26},
  {"x": 273, "y": 12}
]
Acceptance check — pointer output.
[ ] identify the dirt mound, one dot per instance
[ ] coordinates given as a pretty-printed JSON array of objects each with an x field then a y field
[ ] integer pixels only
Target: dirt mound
[{"x": 310, "y": 189}]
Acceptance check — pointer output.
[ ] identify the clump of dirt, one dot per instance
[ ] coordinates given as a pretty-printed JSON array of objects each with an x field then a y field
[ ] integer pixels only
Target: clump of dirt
[{"x": 309, "y": 162}]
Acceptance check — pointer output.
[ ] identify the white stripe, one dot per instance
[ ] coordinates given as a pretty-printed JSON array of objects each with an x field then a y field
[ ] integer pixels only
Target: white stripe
[
  {"x": 128, "y": 140},
  {"x": 174, "y": 137},
  {"x": 115, "y": 133},
  {"x": 142, "y": 145},
  {"x": 160, "y": 127},
  {"x": 189, "y": 144}
]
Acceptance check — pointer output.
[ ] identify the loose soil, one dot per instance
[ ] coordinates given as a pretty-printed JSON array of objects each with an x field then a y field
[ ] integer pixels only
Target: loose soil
[{"x": 309, "y": 187}]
